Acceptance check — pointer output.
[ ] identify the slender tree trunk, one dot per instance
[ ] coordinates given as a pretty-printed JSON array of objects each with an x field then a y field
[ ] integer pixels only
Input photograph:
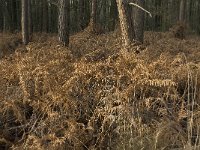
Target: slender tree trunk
[
  {"x": 104, "y": 14},
  {"x": 139, "y": 21},
  {"x": 93, "y": 20},
  {"x": 182, "y": 11},
  {"x": 10, "y": 9},
  {"x": 14, "y": 14},
  {"x": 113, "y": 14},
  {"x": 6, "y": 17},
  {"x": 127, "y": 29},
  {"x": 30, "y": 26},
  {"x": 81, "y": 14},
  {"x": 198, "y": 20},
  {"x": 45, "y": 16},
  {"x": 63, "y": 23},
  {"x": 1, "y": 19},
  {"x": 24, "y": 21}
]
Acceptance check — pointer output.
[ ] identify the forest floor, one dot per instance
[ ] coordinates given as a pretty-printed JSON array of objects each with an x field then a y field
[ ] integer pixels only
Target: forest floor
[{"x": 93, "y": 95}]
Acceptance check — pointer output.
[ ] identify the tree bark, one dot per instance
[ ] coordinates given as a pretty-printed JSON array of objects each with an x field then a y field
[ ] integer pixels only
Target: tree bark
[
  {"x": 63, "y": 23},
  {"x": 24, "y": 21},
  {"x": 127, "y": 28}
]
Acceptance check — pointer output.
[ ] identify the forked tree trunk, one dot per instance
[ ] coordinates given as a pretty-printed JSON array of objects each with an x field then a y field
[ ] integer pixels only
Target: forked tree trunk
[
  {"x": 63, "y": 22},
  {"x": 139, "y": 21},
  {"x": 24, "y": 21},
  {"x": 127, "y": 28}
]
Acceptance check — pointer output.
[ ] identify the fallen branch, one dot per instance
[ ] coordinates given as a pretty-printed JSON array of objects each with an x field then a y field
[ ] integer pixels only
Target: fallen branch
[{"x": 141, "y": 8}]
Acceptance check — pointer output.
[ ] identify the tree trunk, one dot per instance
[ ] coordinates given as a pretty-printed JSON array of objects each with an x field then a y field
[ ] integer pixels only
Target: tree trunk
[
  {"x": 113, "y": 15},
  {"x": 25, "y": 34},
  {"x": 127, "y": 29},
  {"x": 63, "y": 23},
  {"x": 81, "y": 14},
  {"x": 30, "y": 26},
  {"x": 139, "y": 21},
  {"x": 93, "y": 20},
  {"x": 45, "y": 16},
  {"x": 182, "y": 11},
  {"x": 6, "y": 17}
]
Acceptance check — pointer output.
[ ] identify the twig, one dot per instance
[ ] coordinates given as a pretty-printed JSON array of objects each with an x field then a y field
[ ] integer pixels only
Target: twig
[{"x": 141, "y": 8}]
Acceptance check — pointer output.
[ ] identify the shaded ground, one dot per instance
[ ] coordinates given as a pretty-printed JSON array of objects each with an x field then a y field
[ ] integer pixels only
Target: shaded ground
[{"x": 91, "y": 96}]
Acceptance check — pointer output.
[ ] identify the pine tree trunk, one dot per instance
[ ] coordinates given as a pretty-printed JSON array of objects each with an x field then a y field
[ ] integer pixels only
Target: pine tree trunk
[
  {"x": 139, "y": 21},
  {"x": 127, "y": 29},
  {"x": 63, "y": 23},
  {"x": 24, "y": 21}
]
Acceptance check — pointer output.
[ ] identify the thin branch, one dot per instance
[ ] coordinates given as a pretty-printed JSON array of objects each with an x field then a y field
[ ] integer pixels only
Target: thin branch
[
  {"x": 141, "y": 8},
  {"x": 54, "y": 2}
]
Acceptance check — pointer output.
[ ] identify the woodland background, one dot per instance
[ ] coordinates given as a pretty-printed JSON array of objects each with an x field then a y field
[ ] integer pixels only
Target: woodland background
[{"x": 44, "y": 15}]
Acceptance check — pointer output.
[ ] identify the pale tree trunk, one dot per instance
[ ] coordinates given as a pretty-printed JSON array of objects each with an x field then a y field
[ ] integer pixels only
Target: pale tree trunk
[
  {"x": 24, "y": 22},
  {"x": 139, "y": 21},
  {"x": 127, "y": 28},
  {"x": 63, "y": 22},
  {"x": 182, "y": 11}
]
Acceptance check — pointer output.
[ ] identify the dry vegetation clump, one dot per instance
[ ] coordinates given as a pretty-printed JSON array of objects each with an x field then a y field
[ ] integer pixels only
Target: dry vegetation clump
[
  {"x": 179, "y": 30},
  {"x": 8, "y": 43},
  {"x": 91, "y": 96},
  {"x": 163, "y": 43}
]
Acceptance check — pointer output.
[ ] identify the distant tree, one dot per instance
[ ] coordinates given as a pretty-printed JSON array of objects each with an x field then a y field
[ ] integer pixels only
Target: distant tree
[
  {"x": 30, "y": 25},
  {"x": 139, "y": 21},
  {"x": 7, "y": 20},
  {"x": 63, "y": 22},
  {"x": 44, "y": 16},
  {"x": 113, "y": 15},
  {"x": 182, "y": 11},
  {"x": 24, "y": 22},
  {"x": 1, "y": 18},
  {"x": 93, "y": 19},
  {"x": 81, "y": 14},
  {"x": 101, "y": 15}
]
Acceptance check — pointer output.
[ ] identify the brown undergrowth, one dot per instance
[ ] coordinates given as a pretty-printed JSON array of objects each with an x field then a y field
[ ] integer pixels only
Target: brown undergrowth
[{"x": 92, "y": 96}]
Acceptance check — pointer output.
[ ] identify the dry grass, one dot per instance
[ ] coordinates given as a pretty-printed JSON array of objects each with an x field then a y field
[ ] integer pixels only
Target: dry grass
[{"x": 91, "y": 96}]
